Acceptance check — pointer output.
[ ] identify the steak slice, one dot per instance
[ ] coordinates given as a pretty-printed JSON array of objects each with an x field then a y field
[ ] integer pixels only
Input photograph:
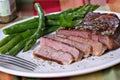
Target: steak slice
[
  {"x": 87, "y": 49},
  {"x": 79, "y": 33},
  {"x": 97, "y": 48},
  {"x": 57, "y": 45},
  {"x": 111, "y": 41},
  {"x": 49, "y": 53}
]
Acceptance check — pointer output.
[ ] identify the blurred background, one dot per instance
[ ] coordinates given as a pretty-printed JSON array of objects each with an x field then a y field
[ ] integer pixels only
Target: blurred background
[{"x": 25, "y": 7}]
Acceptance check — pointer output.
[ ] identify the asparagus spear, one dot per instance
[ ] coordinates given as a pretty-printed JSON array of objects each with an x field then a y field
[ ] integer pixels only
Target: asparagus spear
[
  {"x": 10, "y": 44},
  {"x": 5, "y": 40},
  {"x": 17, "y": 48},
  {"x": 40, "y": 28},
  {"x": 15, "y": 40},
  {"x": 20, "y": 28},
  {"x": 84, "y": 10}
]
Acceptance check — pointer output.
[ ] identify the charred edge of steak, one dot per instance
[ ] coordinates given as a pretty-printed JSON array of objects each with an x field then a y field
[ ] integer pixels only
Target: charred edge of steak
[{"x": 100, "y": 23}]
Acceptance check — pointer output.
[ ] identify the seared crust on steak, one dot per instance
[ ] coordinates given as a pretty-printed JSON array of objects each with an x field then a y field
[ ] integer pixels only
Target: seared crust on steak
[{"x": 100, "y": 23}]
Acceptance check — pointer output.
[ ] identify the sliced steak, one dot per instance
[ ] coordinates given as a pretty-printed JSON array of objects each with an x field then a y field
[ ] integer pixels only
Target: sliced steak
[
  {"x": 61, "y": 46},
  {"x": 111, "y": 41},
  {"x": 97, "y": 48},
  {"x": 49, "y": 53},
  {"x": 87, "y": 49}
]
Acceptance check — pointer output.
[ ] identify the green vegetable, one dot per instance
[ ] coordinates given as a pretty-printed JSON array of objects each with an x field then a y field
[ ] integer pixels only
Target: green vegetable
[
  {"x": 40, "y": 28},
  {"x": 70, "y": 17},
  {"x": 5, "y": 40},
  {"x": 66, "y": 20},
  {"x": 50, "y": 29},
  {"x": 29, "y": 21},
  {"x": 10, "y": 44},
  {"x": 57, "y": 16},
  {"x": 80, "y": 13},
  {"x": 52, "y": 22},
  {"x": 17, "y": 48},
  {"x": 15, "y": 40},
  {"x": 20, "y": 27}
]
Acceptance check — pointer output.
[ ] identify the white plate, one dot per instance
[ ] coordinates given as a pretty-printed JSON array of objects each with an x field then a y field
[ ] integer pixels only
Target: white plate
[{"x": 52, "y": 69}]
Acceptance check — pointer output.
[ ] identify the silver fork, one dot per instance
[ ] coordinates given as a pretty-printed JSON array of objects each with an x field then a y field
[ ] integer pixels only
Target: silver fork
[{"x": 20, "y": 62}]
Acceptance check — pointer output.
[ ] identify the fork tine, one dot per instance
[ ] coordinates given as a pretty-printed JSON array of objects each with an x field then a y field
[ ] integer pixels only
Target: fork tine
[
  {"x": 18, "y": 61},
  {"x": 20, "y": 65}
]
